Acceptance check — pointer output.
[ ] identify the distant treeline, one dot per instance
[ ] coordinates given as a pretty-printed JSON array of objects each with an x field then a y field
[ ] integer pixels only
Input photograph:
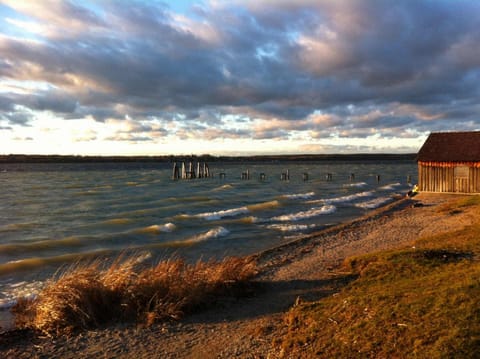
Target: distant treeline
[{"x": 206, "y": 158}]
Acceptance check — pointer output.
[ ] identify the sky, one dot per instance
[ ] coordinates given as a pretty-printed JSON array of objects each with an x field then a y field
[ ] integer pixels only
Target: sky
[{"x": 124, "y": 77}]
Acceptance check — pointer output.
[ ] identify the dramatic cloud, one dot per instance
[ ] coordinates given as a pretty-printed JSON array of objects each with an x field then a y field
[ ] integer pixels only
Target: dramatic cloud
[{"x": 303, "y": 73}]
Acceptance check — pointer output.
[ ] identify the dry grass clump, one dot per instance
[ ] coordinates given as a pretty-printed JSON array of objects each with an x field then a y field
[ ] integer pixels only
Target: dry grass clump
[{"x": 88, "y": 295}]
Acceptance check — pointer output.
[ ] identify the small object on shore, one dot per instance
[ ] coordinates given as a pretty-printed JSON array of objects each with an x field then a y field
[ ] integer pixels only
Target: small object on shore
[
  {"x": 417, "y": 204},
  {"x": 413, "y": 192}
]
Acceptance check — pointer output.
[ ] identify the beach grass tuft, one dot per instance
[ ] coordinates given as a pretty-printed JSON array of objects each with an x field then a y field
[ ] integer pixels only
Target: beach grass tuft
[
  {"x": 89, "y": 295},
  {"x": 414, "y": 302}
]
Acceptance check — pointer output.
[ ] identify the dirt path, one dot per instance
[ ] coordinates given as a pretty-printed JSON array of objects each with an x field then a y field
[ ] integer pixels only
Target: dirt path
[{"x": 306, "y": 270}]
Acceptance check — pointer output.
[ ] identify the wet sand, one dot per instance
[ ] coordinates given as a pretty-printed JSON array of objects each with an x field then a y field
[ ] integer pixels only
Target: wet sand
[{"x": 304, "y": 270}]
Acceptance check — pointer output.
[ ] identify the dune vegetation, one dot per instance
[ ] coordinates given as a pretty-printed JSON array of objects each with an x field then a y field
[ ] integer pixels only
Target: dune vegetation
[
  {"x": 89, "y": 295},
  {"x": 421, "y": 301}
]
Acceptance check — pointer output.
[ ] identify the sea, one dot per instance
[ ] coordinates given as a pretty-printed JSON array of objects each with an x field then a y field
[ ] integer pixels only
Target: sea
[{"x": 54, "y": 215}]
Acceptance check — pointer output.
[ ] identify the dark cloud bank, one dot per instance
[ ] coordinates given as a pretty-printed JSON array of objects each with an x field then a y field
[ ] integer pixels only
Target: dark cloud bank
[{"x": 333, "y": 68}]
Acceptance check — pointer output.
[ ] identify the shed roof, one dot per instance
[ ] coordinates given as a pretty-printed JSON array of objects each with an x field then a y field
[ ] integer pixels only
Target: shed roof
[{"x": 451, "y": 147}]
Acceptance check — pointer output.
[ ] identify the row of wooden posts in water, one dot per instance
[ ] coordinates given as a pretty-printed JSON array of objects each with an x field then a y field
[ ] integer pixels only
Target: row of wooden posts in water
[{"x": 201, "y": 170}]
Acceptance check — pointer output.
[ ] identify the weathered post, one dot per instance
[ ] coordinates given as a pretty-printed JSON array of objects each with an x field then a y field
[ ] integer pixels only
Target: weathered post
[
  {"x": 199, "y": 173},
  {"x": 184, "y": 172},
  {"x": 191, "y": 172},
  {"x": 206, "y": 170},
  {"x": 175, "y": 172}
]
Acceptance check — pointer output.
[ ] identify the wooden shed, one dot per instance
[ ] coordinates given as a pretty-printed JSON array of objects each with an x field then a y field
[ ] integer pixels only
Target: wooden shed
[{"x": 450, "y": 162}]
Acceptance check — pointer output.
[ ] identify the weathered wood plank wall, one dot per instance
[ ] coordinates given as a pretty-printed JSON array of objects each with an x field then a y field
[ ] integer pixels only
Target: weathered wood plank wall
[{"x": 442, "y": 178}]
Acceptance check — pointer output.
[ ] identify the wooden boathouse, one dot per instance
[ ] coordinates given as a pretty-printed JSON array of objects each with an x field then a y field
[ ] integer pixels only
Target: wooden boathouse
[{"x": 450, "y": 162}]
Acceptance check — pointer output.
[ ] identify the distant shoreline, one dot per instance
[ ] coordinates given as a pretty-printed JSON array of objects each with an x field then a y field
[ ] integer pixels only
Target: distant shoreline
[{"x": 19, "y": 158}]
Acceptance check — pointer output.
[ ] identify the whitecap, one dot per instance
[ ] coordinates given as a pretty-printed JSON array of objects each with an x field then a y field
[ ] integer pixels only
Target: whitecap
[
  {"x": 213, "y": 233},
  {"x": 158, "y": 228},
  {"x": 224, "y": 187},
  {"x": 389, "y": 187},
  {"x": 291, "y": 227},
  {"x": 349, "y": 198},
  {"x": 313, "y": 212},
  {"x": 356, "y": 184},
  {"x": 210, "y": 216},
  {"x": 299, "y": 195},
  {"x": 374, "y": 203}
]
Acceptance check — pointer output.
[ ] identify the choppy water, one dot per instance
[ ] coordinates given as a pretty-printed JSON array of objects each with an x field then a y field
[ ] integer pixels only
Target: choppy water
[{"x": 55, "y": 214}]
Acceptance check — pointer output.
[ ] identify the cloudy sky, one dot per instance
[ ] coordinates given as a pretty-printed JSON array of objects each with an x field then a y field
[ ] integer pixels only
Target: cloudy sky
[{"x": 235, "y": 77}]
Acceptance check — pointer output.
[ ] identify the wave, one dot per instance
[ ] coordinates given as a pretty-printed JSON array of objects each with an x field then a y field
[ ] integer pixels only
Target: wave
[
  {"x": 36, "y": 262},
  {"x": 349, "y": 198},
  {"x": 374, "y": 203},
  {"x": 215, "y": 215},
  {"x": 299, "y": 195},
  {"x": 390, "y": 187},
  {"x": 232, "y": 212},
  {"x": 313, "y": 212},
  {"x": 11, "y": 293},
  {"x": 213, "y": 233},
  {"x": 46, "y": 244},
  {"x": 263, "y": 205},
  {"x": 356, "y": 184},
  {"x": 118, "y": 221},
  {"x": 12, "y": 227},
  {"x": 222, "y": 188},
  {"x": 157, "y": 228},
  {"x": 291, "y": 227}
]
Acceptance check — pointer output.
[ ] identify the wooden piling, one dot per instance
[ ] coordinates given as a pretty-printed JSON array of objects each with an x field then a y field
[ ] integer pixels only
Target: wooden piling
[
  {"x": 175, "y": 172},
  {"x": 206, "y": 170},
  {"x": 245, "y": 175},
  {"x": 184, "y": 172},
  {"x": 199, "y": 171},
  {"x": 191, "y": 171}
]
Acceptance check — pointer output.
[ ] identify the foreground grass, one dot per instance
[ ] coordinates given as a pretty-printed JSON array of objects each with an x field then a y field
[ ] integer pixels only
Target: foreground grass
[
  {"x": 420, "y": 302},
  {"x": 88, "y": 295}
]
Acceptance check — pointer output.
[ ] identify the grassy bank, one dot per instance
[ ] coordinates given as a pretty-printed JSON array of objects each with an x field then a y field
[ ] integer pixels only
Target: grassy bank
[
  {"x": 420, "y": 302},
  {"x": 89, "y": 295}
]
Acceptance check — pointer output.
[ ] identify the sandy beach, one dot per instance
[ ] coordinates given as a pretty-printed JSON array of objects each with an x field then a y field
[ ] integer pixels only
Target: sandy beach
[{"x": 305, "y": 270}]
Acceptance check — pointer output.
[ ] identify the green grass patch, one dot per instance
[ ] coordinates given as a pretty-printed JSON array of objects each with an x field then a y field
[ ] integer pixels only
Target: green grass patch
[
  {"x": 421, "y": 302},
  {"x": 457, "y": 206}
]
